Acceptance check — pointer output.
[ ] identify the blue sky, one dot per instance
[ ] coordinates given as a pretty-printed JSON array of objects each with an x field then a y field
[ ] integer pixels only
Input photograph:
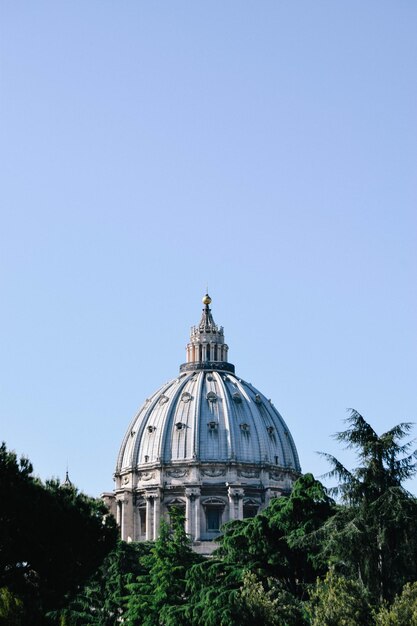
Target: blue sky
[{"x": 267, "y": 149}]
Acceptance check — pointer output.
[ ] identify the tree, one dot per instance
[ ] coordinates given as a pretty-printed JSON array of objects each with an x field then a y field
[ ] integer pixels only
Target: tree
[
  {"x": 279, "y": 547},
  {"x": 374, "y": 535},
  {"x": 102, "y": 600},
  {"x": 339, "y": 601},
  {"x": 282, "y": 541},
  {"x": 270, "y": 604},
  {"x": 403, "y": 611},
  {"x": 213, "y": 590},
  {"x": 52, "y": 538},
  {"x": 159, "y": 597},
  {"x": 12, "y": 611}
]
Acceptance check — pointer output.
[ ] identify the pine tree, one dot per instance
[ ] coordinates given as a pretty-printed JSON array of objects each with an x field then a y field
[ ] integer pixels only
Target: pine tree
[
  {"x": 159, "y": 598},
  {"x": 374, "y": 533}
]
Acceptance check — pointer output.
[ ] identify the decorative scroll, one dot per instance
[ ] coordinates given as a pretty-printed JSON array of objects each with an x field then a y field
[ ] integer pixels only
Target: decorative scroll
[
  {"x": 147, "y": 475},
  {"x": 177, "y": 473},
  {"x": 278, "y": 476},
  {"x": 248, "y": 473},
  {"x": 213, "y": 472}
]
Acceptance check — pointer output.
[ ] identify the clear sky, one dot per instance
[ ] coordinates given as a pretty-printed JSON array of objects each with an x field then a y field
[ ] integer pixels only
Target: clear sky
[{"x": 265, "y": 148}]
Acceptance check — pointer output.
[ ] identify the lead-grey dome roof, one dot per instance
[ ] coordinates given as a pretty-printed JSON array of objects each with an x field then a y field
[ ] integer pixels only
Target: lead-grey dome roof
[{"x": 207, "y": 414}]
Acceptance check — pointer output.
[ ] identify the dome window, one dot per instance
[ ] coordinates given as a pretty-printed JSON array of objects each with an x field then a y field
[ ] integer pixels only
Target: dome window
[
  {"x": 211, "y": 396},
  {"x": 270, "y": 430},
  {"x": 244, "y": 427},
  {"x": 151, "y": 429},
  {"x": 209, "y": 377},
  {"x": 146, "y": 458},
  {"x": 180, "y": 426},
  {"x": 237, "y": 397},
  {"x": 212, "y": 425},
  {"x": 163, "y": 399},
  {"x": 186, "y": 397},
  {"x": 258, "y": 399}
]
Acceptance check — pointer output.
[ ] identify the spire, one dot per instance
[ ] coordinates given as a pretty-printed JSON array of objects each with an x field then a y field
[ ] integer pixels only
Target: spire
[
  {"x": 67, "y": 483},
  {"x": 206, "y": 348}
]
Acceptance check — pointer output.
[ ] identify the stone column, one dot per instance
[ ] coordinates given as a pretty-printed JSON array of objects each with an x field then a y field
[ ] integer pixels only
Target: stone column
[
  {"x": 153, "y": 514},
  {"x": 197, "y": 506},
  {"x": 156, "y": 515},
  {"x": 149, "y": 516},
  {"x": 192, "y": 518},
  {"x": 235, "y": 503},
  {"x": 128, "y": 515},
  {"x": 119, "y": 512}
]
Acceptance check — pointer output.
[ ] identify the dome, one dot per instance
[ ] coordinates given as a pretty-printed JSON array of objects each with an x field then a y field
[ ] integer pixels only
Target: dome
[
  {"x": 209, "y": 416},
  {"x": 206, "y": 441}
]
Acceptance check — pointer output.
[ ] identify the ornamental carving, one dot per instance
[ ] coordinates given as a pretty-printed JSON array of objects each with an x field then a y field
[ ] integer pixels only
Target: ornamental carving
[
  {"x": 177, "y": 473},
  {"x": 236, "y": 493},
  {"x": 248, "y": 473},
  {"x": 192, "y": 493},
  {"x": 151, "y": 495},
  {"x": 276, "y": 476},
  {"x": 147, "y": 475},
  {"x": 213, "y": 472}
]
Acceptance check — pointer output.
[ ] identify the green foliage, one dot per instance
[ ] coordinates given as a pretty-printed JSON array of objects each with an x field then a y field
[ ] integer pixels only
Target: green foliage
[
  {"x": 270, "y": 604},
  {"x": 282, "y": 541},
  {"x": 374, "y": 534},
  {"x": 12, "y": 612},
  {"x": 339, "y": 601},
  {"x": 280, "y": 545},
  {"x": 101, "y": 601},
  {"x": 52, "y": 538},
  {"x": 158, "y": 598},
  {"x": 403, "y": 611},
  {"x": 271, "y": 570},
  {"x": 213, "y": 589}
]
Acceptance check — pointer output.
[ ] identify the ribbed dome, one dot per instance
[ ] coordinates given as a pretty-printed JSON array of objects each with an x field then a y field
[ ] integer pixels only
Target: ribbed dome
[
  {"x": 206, "y": 441},
  {"x": 208, "y": 416}
]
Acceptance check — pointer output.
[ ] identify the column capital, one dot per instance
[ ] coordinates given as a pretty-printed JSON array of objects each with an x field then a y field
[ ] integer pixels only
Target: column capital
[
  {"x": 193, "y": 492},
  {"x": 151, "y": 495},
  {"x": 236, "y": 492}
]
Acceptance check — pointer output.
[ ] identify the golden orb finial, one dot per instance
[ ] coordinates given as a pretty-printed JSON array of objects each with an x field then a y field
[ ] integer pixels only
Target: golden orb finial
[{"x": 206, "y": 299}]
